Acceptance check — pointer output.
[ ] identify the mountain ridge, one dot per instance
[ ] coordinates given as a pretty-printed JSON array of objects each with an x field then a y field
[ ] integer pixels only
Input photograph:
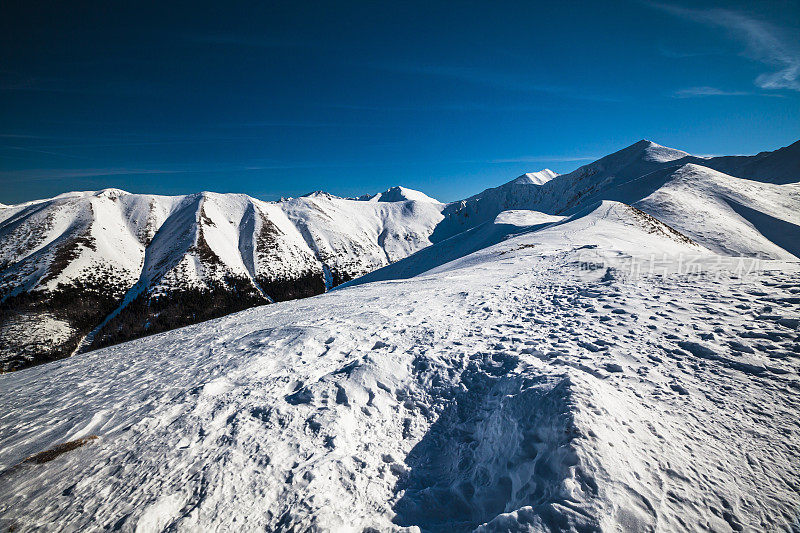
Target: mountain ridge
[{"x": 145, "y": 263}]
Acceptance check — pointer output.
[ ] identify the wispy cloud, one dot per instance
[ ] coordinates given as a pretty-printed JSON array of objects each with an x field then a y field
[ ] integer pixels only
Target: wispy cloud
[
  {"x": 772, "y": 45},
  {"x": 38, "y": 151},
  {"x": 55, "y": 174},
  {"x": 18, "y": 176},
  {"x": 700, "y": 92}
]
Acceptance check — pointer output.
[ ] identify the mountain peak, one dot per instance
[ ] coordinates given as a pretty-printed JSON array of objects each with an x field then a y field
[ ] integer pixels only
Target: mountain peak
[
  {"x": 645, "y": 143},
  {"x": 319, "y": 194},
  {"x": 535, "y": 178},
  {"x": 399, "y": 194},
  {"x": 111, "y": 192},
  {"x": 650, "y": 151}
]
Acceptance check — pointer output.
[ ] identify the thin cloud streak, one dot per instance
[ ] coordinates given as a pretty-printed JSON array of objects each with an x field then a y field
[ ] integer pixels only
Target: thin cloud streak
[
  {"x": 17, "y": 176},
  {"x": 39, "y": 151},
  {"x": 771, "y": 45},
  {"x": 701, "y": 92}
]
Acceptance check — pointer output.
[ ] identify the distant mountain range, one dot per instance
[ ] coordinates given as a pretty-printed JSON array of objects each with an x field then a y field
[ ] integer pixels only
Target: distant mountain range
[{"x": 88, "y": 269}]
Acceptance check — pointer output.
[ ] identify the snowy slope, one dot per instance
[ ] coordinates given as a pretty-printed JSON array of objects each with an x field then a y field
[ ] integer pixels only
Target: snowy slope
[
  {"x": 558, "y": 194},
  {"x": 506, "y": 225},
  {"x": 65, "y": 263},
  {"x": 608, "y": 226},
  {"x": 729, "y": 215},
  {"x": 539, "y": 384},
  {"x": 72, "y": 236},
  {"x": 640, "y": 172},
  {"x": 715, "y": 209},
  {"x": 274, "y": 250},
  {"x": 520, "y": 193},
  {"x": 536, "y": 178},
  {"x": 604, "y": 225}
]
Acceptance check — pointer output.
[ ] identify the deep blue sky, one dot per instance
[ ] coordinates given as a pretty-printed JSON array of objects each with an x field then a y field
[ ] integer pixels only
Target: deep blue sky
[{"x": 278, "y": 99}]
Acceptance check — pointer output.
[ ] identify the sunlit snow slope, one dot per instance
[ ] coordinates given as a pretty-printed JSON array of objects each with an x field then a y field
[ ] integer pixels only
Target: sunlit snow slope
[{"x": 597, "y": 372}]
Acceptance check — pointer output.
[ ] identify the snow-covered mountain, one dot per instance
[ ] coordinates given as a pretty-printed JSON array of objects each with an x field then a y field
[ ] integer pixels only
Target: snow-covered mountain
[
  {"x": 640, "y": 172},
  {"x": 89, "y": 269},
  {"x": 92, "y": 268}
]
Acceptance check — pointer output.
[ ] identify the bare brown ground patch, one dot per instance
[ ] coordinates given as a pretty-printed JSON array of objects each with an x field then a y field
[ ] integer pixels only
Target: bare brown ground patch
[{"x": 59, "y": 449}]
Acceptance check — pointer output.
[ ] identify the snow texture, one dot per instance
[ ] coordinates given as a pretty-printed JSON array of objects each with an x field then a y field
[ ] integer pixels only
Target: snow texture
[{"x": 537, "y": 384}]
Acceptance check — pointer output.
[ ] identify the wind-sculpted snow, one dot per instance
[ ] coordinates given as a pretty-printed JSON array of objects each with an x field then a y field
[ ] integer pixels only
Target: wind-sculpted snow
[{"x": 579, "y": 377}]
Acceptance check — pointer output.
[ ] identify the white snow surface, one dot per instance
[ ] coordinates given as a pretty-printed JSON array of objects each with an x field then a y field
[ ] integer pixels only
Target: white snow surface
[
  {"x": 732, "y": 216},
  {"x": 522, "y": 217},
  {"x": 506, "y": 225},
  {"x": 573, "y": 376}
]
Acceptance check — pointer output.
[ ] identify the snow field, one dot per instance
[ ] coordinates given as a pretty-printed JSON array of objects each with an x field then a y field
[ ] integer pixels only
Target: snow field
[{"x": 511, "y": 391}]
